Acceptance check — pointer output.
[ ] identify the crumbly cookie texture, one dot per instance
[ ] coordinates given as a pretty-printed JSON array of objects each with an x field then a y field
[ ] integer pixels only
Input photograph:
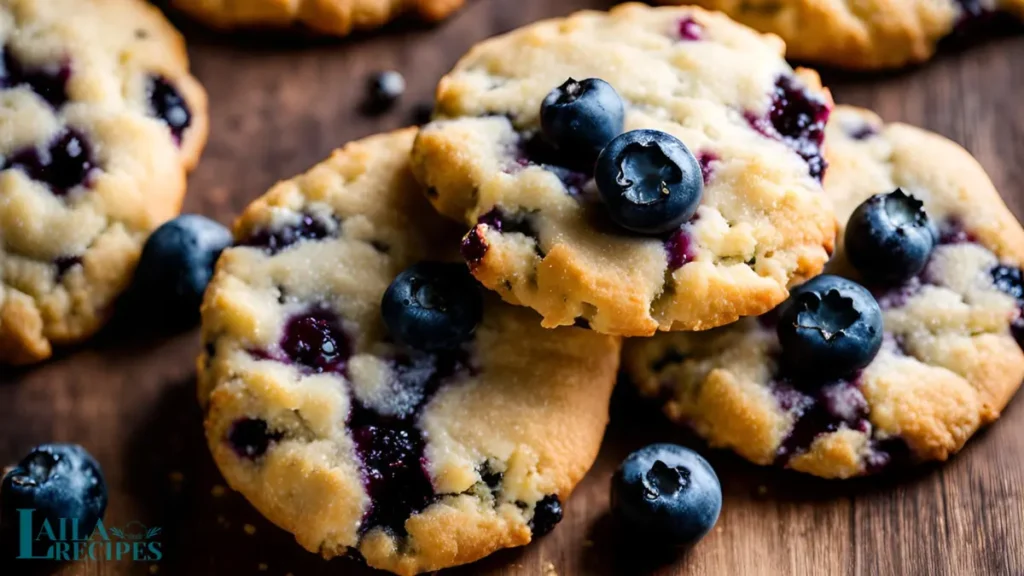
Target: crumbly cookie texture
[
  {"x": 415, "y": 461},
  {"x": 333, "y": 17},
  {"x": 951, "y": 358},
  {"x": 540, "y": 236},
  {"x": 99, "y": 122},
  {"x": 861, "y": 34}
]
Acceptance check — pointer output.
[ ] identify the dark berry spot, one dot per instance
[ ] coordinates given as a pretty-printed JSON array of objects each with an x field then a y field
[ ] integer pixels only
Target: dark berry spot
[
  {"x": 1008, "y": 279},
  {"x": 64, "y": 264},
  {"x": 888, "y": 454},
  {"x": 679, "y": 247},
  {"x": 820, "y": 411},
  {"x": 316, "y": 341},
  {"x": 690, "y": 29},
  {"x": 706, "y": 169},
  {"x": 251, "y": 437},
  {"x": 861, "y": 131},
  {"x": 474, "y": 246},
  {"x": 649, "y": 181},
  {"x": 167, "y": 104},
  {"x": 394, "y": 474},
  {"x": 382, "y": 91},
  {"x": 509, "y": 222},
  {"x": 797, "y": 117},
  {"x": 49, "y": 81},
  {"x": 491, "y": 478},
  {"x": 546, "y": 515},
  {"x": 63, "y": 164},
  {"x": 276, "y": 240},
  {"x": 535, "y": 150}
]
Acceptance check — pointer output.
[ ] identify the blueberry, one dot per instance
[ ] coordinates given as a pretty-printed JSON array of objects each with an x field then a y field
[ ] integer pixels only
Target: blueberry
[
  {"x": 580, "y": 118},
  {"x": 57, "y": 481},
  {"x": 167, "y": 104},
  {"x": 433, "y": 306},
  {"x": 650, "y": 181},
  {"x": 666, "y": 495},
  {"x": 546, "y": 515},
  {"x": 384, "y": 89},
  {"x": 889, "y": 237},
  {"x": 176, "y": 265},
  {"x": 829, "y": 328}
]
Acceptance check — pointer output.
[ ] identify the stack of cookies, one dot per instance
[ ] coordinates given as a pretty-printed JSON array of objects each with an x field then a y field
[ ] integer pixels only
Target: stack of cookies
[{"x": 658, "y": 174}]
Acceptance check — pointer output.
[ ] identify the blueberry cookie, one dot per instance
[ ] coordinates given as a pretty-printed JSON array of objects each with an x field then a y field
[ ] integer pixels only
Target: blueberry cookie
[
  {"x": 635, "y": 170},
  {"x": 363, "y": 392},
  {"x": 334, "y": 17},
  {"x": 844, "y": 380},
  {"x": 861, "y": 34},
  {"x": 99, "y": 122}
]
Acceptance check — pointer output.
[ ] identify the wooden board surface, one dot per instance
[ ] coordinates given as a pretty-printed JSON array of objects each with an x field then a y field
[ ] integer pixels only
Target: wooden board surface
[{"x": 278, "y": 107}]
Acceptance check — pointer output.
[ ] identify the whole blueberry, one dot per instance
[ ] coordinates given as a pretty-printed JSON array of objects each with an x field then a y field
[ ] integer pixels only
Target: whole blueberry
[
  {"x": 175, "y": 267},
  {"x": 829, "y": 328},
  {"x": 580, "y": 118},
  {"x": 667, "y": 495},
  {"x": 384, "y": 89},
  {"x": 433, "y": 306},
  {"x": 889, "y": 237},
  {"x": 55, "y": 481},
  {"x": 649, "y": 180}
]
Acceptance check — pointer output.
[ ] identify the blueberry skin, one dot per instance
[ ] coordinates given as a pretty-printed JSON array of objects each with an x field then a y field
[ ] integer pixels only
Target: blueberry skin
[
  {"x": 580, "y": 118},
  {"x": 433, "y": 306},
  {"x": 176, "y": 266},
  {"x": 829, "y": 328},
  {"x": 667, "y": 495},
  {"x": 385, "y": 88},
  {"x": 57, "y": 481},
  {"x": 889, "y": 237},
  {"x": 650, "y": 181}
]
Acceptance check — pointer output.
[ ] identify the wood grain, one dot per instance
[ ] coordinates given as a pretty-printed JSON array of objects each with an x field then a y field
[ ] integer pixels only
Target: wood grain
[{"x": 280, "y": 105}]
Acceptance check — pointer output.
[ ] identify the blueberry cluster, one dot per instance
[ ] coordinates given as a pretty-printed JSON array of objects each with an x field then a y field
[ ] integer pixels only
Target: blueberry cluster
[{"x": 649, "y": 180}]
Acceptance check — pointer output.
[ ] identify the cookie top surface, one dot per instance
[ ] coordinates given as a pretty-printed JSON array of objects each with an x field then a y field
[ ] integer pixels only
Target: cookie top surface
[
  {"x": 861, "y": 34},
  {"x": 419, "y": 461},
  {"x": 334, "y": 17},
  {"x": 99, "y": 121},
  {"x": 950, "y": 357},
  {"x": 541, "y": 238}
]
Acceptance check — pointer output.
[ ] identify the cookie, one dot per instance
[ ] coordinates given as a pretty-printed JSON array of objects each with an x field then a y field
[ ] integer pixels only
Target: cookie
[
  {"x": 950, "y": 356},
  {"x": 540, "y": 237},
  {"x": 333, "y": 17},
  {"x": 414, "y": 461},
  {"x": 99, "y": 122},
  {"x": 873, "y": 34}
]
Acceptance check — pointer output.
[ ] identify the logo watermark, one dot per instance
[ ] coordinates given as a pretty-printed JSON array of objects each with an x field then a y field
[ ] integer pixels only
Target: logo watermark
[{"x": 63, "y": 541}]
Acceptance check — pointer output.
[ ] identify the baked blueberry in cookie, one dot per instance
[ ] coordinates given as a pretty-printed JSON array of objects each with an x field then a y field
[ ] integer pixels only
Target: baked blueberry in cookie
[
  {"x": 365, "y": 394},
  {"x": 830, "y": 327},
  {"x": 867, "y": 34},
  {"x": 651, "y": 236},
  {"x": 666, "y": 495},
  {"x": 840, "y": 382},
  {"x": 175, "y": 267},
  {"x": 60, "y": 484},
  {"x": 580, "y": 118},
  {"x": 649, "y": 180},
  {"x": 100, "y": 123},
  {"x": 889, "y": 238}
]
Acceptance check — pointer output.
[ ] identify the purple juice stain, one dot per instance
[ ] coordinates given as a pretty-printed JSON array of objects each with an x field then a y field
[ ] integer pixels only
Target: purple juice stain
[
  {"x": 167, "y": 104},
  {"x": 274, "y": 240},
  {"x": 391, "y": 447},
  {"x": 818, "y": 412},
  {"x": 796, "y": 117},
  {"x": 690, "y": 29},
  {"x": 679, "y": 247},
  {"x": 474, "y": 246},
  {"x": 705, "y": 159},
  {"x": 316, "y": 341},
  {"x": 63, "y": 164},
  {"x": 49, "y": 81}
]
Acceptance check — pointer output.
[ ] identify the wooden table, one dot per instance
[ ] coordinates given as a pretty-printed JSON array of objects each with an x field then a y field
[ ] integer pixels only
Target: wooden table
[{"x": 279, "y": 107}]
